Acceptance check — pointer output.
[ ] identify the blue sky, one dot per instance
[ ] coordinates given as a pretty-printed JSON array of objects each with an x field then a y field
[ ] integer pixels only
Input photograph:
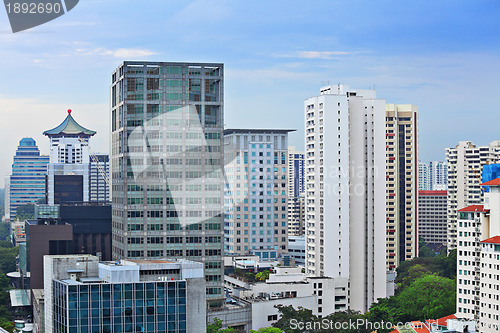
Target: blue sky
[{"x": 443, "y": 56}]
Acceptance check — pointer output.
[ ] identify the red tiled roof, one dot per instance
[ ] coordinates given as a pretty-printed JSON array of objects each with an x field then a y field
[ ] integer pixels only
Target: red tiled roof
[
  {"x": 433, "y": 192},
  {"x": 419, "y": 327},
  {"x": 441, "y": 321},
  {"x": 473, "y": 208},
  {"x": 494, "y": 182},
  {"x": 492, "y": 240}
]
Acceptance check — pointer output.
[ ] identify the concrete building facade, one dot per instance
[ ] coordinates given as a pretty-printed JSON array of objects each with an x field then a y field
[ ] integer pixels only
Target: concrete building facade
[
  {"x": 295, "y": 188},
  {"x": 256, "y": 220},
  {"x": 345, "y": 190},
  {"x": 465, "y": 162},
  {"x": 402, "y": 182},
  {"x": 83, "y": 294},
  {"x": 489, "y": 295},
  {"x": 476, "y": 223},
  {"x": 167, "y": 164},
  {"x": 432, "y": 217}
]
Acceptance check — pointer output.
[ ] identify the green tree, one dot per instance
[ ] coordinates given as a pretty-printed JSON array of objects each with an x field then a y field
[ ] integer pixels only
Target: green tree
[
  {"x": 262, "y": 276},
  {"x": 216, "y": 327},
  {"x": 430, "y": 296},
  {"x": 287, "y": 313},
  {"x": 25, "y": 212}
]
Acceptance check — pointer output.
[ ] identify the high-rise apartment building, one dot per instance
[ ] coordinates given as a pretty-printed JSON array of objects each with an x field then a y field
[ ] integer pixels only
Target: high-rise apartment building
[
  {"x": 465, "y": 163},
  {"x": 345, "y": 190},
  {"x": 432, "y": 176},
  {"x": 432, "y": 218},
  {"x": 296, "y": 203},
  {"x": 489, "y": 298},
  {"x": 26, "y": 185},
  {"x": 402, "y": 182},
  {"x": 438, "y": 172},
  {"x": 424, "y": 181},
  {"x": 167, "y": 162},
  {"x": 478, "y": 227},
  {"x": 256, "y": 220}
]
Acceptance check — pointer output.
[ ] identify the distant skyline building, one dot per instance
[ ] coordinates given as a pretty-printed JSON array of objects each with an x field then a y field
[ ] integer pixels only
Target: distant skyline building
[
  {"x": 26, "y": 185},
  {"x": 295, "y": 188},
  {"x": 99, "y": 189},
  {"x": 68, "y": 171},
  {"x": 438, "y": 175},
  {"x": 432, "y": 218},
  {"x": 167, "y": 164},
  {"x": 432, "y": 176},
  {"x": 345, "y": 190},
  {"x": 401, "y": 185},
  {"x": 424, "y": 179},
  {"x": 256, "y": 219},
  {"x": 465, "y": 162}
]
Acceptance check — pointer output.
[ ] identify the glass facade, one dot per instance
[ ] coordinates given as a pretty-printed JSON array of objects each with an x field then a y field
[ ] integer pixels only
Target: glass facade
[
  {"x": 167, "y": 161},
  {"x": 119, "y": 307},
  {"x": 27, "y": 182}
]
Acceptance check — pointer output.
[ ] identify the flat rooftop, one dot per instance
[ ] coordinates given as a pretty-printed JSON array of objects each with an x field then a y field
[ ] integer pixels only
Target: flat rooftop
[{"x": 256, "y": 131}]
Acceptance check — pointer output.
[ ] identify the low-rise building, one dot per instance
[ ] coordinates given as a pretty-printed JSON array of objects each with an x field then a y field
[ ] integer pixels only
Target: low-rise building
[
  {"x": 289, "y": 286},
  {"x": 85, "y": 295}
]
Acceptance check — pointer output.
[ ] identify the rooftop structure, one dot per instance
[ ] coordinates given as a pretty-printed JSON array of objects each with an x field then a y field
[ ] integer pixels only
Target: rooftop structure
[{"x": 148, "y": 296}]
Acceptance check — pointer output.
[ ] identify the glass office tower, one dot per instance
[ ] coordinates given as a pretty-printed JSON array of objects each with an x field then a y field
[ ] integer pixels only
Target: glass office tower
[
  {"x": 166, "y": 164},
  {"x": 27, "y": 182}
]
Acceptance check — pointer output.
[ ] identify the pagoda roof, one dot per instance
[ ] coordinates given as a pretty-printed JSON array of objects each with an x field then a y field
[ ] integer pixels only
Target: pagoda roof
[{"x": 69, "y": 127}]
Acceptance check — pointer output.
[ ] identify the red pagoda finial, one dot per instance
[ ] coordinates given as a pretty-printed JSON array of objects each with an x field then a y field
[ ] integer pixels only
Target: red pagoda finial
[{"x": 69, "y": 112}]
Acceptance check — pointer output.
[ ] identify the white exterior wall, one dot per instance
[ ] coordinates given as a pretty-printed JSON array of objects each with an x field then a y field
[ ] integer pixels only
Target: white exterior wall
[
  {"x": 345, "y": 195},
  {"x": 465, "y": 163},
  {"x": 489, "y": 301},
  {"x": 55, "y": 267}
]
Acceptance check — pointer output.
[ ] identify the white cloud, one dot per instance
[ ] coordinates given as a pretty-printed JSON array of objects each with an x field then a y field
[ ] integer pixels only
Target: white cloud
[
  {"x": 28, "y": 117},
  {"x": 318, "y": 54},
  {"x": 129, "y": 53}
]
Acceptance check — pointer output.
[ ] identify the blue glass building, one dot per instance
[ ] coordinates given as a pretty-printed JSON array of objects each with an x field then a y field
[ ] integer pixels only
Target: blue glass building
[
  {"x": 84, "y": 295},
  {"x": 27, "y": 182}
]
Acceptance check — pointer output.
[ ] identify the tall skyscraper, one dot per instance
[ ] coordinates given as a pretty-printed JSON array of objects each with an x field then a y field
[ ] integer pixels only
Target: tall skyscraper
[
  {"x": 402, "y": 182},
  {"x": 345, "y": 190},
  {"x": 295, "y": 188},
  {"x": 99, "y": 187},
  {"x": 26, "y": 185},
  {"x": 465, "y": 163},
  {"x": 256, "y": 194},
  {"x": 167, "y": 161}
]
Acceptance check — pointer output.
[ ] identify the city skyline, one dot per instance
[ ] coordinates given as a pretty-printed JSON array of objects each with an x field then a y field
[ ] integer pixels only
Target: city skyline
[{"x": 275, "y": 56}]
